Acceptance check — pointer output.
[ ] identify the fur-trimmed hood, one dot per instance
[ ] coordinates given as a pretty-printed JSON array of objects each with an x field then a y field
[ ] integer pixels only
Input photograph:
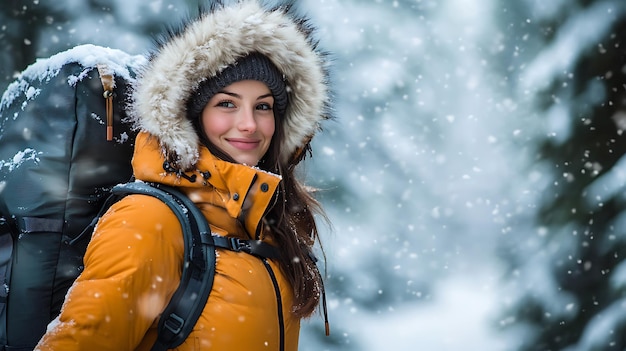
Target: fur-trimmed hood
[{"x": 205, "y": 46}]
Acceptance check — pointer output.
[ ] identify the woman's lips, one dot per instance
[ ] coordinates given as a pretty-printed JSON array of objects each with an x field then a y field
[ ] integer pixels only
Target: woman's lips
[{"x": 244, "y": 144}]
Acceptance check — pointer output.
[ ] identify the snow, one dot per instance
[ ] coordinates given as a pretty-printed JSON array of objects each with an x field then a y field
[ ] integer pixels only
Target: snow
[
  {"x": 88, "y": 55},
  {"x": 608, "y": 185},
  {"x": 420, "y": 143},
  {"x": 618, "y": 278},
  {"x": 427, "y": 326},
  {"x": 20, "y": 157}
]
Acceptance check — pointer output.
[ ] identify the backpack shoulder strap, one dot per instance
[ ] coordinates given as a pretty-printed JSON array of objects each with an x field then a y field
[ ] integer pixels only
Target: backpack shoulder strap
[
  {"x": 189, "y": 299},
  {"x": 187, "y": 303}
]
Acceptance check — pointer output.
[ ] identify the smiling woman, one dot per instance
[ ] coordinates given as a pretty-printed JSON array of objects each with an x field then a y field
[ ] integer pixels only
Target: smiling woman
[{"x": 226, "y": 107}]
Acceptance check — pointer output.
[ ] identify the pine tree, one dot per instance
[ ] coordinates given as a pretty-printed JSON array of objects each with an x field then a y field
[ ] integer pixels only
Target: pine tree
[
  {"x": 22, "y": 22},
  {"x": 583, "y": 255}
]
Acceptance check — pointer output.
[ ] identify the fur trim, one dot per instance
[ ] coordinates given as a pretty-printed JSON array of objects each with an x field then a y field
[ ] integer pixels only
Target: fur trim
[{"x": 207, "y": 45}]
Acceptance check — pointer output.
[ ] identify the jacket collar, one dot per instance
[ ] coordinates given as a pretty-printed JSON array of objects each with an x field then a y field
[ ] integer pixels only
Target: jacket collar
[{"x": 244, "y": 192}]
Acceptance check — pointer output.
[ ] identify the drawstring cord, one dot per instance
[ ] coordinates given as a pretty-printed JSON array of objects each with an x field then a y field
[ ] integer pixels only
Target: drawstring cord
[
  {"x": 323, "y": 290},
  {"x": 108, "y": 96},
  {"x": 108, "y": 83},
  {"x": 324, "y": 308}
]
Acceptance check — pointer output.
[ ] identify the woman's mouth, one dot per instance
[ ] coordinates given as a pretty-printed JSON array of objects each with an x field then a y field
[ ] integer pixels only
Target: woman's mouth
[{"x": 243, "y": 144}]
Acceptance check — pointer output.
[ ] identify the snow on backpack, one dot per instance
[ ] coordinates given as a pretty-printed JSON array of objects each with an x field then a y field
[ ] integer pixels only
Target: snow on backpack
[{"x": 65, "y": 152}]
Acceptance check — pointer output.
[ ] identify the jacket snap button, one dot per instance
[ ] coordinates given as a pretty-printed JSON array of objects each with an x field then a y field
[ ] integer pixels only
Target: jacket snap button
[
  {"x": 265, "y": 187},
  {"x": 235, "y": 196}
]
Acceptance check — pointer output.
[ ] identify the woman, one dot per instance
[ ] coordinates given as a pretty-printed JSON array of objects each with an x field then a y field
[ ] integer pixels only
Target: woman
[{"x": 226, "y": 108}]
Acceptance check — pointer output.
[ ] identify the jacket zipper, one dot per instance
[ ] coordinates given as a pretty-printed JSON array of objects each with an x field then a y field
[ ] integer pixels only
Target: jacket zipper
[{"x": 281, "y": 320}]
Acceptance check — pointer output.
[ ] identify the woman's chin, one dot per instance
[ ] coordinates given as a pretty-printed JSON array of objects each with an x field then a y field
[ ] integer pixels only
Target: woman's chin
[{"x": 248, "y": 161}]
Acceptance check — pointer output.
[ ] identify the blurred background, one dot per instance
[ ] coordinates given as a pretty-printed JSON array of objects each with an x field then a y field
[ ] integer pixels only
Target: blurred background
[{"x": 474, "y": 177}]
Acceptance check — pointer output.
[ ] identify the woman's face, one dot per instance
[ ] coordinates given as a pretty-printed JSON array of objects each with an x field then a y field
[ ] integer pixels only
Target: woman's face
[{"x": 239, "y": 120}]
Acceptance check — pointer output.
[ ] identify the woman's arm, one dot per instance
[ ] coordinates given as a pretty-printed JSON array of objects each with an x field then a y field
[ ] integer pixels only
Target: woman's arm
[{"x": 132, "y": 267}]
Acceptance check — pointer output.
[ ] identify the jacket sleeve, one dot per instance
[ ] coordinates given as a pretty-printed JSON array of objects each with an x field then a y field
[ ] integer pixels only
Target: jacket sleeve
[{"x": 132, "y": 267}]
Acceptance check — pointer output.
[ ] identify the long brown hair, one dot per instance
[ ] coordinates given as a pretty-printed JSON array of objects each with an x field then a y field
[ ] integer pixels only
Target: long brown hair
[{"x": 293, "y": 224}]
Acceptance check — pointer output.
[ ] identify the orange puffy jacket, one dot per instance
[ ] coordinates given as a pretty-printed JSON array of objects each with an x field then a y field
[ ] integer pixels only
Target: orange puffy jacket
[{"x": 133, "y": 266}]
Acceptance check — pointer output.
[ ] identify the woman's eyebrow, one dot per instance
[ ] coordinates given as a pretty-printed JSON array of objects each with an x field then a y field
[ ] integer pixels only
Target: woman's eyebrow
[
  {"x": 229, "y": 93},
  {"x": 235, "y": 95}
]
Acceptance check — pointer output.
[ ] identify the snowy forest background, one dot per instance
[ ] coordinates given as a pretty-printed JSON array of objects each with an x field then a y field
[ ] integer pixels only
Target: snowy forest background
[{"x": 474, "y": 177}]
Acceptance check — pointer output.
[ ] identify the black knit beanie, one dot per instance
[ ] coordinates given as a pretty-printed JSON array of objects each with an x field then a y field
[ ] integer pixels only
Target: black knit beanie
[{"x": 254, "y": 66}]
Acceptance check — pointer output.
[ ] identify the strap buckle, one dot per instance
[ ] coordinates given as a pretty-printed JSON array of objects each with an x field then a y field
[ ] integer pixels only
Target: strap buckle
[
  {"x": 174, "y": 323},
  {"x": 239, "y": 245}
]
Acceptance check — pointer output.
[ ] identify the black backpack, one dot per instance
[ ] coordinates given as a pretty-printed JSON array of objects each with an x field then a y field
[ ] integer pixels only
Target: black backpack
[
  {"x": 65, "y": 152},
  {"x": 57, "y": 167}
]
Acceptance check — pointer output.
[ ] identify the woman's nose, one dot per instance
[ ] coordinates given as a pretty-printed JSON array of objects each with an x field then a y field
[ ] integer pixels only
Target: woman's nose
[{"x": 246, "y": 121}]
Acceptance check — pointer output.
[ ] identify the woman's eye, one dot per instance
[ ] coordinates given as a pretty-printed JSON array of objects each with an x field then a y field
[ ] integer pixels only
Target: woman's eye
[
  {"x": 265, "y": 107},
  {"x": 228, "y": 104}
]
